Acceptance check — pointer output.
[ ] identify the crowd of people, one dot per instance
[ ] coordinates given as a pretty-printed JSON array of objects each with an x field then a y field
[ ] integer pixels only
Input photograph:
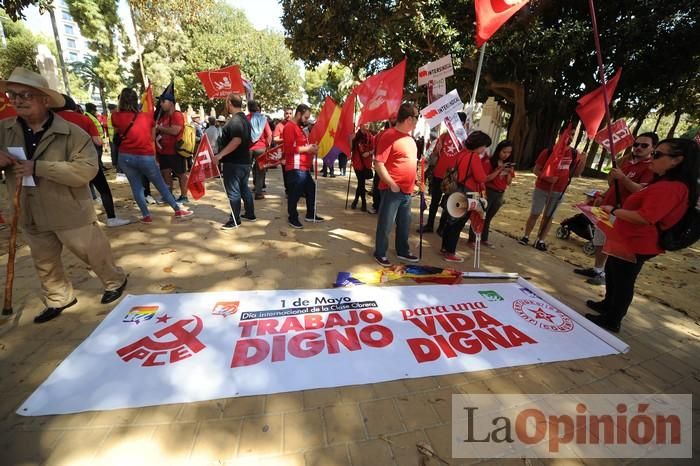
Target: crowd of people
[{"x": 654, "y": 186}]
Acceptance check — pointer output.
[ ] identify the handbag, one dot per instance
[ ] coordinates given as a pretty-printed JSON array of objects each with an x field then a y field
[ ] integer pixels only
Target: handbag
[{"x": 117, "y": 139}]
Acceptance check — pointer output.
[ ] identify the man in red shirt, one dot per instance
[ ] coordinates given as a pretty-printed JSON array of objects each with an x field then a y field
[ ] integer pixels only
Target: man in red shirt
[
  {"x": 395, "y": 163},
  {"x": 299, "y": 158},
  {"x": 549, "y": 192},
  {"x": 277, "y": 140},
  {"x": 169, "y": 129},
  {"x": 633, "y": 173}
]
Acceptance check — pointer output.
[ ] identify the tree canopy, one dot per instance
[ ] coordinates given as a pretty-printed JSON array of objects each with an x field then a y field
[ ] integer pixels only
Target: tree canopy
[
  {"x": 536, "y": 65},
  {"x": 327, "y": 80}
]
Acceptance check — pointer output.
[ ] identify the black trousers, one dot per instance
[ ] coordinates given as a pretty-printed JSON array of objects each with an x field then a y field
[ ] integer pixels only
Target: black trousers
[
  {"x": 361, "y": 190},
  {"x": 435, "y": 199},
  {"x": 376, "y": 195},
  {"x": 100, "y": 183},
  {"x": 451, "y": 231},
  {"x": 620, "y": 277}
]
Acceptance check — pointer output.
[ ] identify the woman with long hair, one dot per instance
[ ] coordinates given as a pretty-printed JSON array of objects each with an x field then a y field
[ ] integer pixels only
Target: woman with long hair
[
  {"x": 137, "y": 159},
  {"x": 643, "y": 215},
  {"x": 362, "y": 151},
  {"x": 471, "y": 176},
  {"x": 499, "y": 174}
]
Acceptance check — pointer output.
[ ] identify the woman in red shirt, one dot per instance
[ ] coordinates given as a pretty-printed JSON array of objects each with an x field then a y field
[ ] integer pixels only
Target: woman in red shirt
[
  {"x": 470, "y": 173},
  {"x": 657, "y": 207},
  {"x": 499, "y": 174},
  {"x": 137, "y": 153},
  {"x": 362, "y": 150}
]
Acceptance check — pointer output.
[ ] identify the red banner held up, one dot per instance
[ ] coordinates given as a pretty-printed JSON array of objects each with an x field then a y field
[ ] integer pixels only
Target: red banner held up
[
  {"x": 220, "y": 83},
  {"x": 591, "y": 107},
  {"x": 491, "y": 15},
  {"x": 622, "y": 136},
  {"x": 271, "y": 158},
  {"x": 204, "y": 168}
]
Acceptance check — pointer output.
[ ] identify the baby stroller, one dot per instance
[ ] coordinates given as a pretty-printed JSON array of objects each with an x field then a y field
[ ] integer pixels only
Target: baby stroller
[{"x": 580, "y": 225}]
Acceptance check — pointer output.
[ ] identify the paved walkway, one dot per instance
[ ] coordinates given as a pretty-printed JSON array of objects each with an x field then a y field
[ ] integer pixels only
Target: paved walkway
[{"x": 372, "y": 425}]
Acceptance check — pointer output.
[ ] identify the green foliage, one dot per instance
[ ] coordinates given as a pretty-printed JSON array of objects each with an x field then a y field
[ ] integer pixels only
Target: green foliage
[
  {"x": 21, "y": 47},
  {"x": 328, "y": 80},
  {"x": 15, "y": 8}
]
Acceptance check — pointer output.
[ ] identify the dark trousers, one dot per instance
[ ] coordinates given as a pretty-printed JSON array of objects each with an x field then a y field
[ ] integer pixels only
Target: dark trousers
[
  {"x": 376, "y": 194},
  {"x": 236, "y": 182},
  {"x": 435, "y": 199},
  {"x": 620, "y": 277},
  {"x": 100, "y": 183},
  {"x": 361, "y": 191},
  {"x": 342, "y": 163},
  {"x": 258, "y": 173},
  {"x": 300, "y": 182},
  {"x": 114, "y": 153},
  {"x": 495, "y": 201},
  {"x": 451, "y": 230}
]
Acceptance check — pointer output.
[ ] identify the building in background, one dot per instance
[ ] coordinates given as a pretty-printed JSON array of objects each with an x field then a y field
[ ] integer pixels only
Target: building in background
[{"x": 73, "y": 43}]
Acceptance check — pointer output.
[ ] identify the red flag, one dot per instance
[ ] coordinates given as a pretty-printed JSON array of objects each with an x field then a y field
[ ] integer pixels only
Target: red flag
[
  {"x": 271, "y": 158},
  {"x": 492, "y": 14},
  {"x": 381, "y": 94},
  {"x": 551, "y": 167},
  {"x": 7, "y": 110},
  {"x": 324, "y": 118},
  {"x": 591, "y": 107},
  {"x": 220, "y": 83},
  {"x": 346, "y": 125},
  {"x": 615, "y": 244},
  {"x": 204, "y": 167},
  {"x": 622, "y": 137},
  {"x": 147, "y": 102}
]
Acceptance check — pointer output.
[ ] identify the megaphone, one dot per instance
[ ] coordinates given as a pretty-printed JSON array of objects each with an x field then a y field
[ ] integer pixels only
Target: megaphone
[{"x": 457, "y": 205}]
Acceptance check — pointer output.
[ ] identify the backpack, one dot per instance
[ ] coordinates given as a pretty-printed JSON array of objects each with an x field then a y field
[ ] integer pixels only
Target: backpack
[
  {"x": 186, "y": 145},
  {"x": 683, "y": 234},
  {"x": 450, "y": 183}
]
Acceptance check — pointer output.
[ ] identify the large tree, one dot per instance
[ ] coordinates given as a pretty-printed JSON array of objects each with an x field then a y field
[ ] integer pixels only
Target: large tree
[
  {"x": 536, "y": 66},
  {"x": 327, "y": 80}
]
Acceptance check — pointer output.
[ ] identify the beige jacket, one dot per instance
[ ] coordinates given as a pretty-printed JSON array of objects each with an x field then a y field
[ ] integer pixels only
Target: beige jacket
[{"x": 65, "y": 163}]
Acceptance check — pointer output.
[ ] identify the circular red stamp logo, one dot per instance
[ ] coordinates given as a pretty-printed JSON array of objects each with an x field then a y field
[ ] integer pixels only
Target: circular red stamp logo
[{"x": 543, "y": 315}]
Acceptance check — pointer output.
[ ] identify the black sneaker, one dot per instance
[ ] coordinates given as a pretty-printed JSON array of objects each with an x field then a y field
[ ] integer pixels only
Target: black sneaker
[
  {"x": 230, "y": 225},
  {"x": 250, "y": 218},
  {"x": 52, "y": 312},
  {"x": 540, "y": 245},
  {"x": 524, "y": 240},
  {"x": 598, "y": 306},
  {"x": 315, "y": 219},
  {"x": 603, "y": 322},
  {"x": 598, "y": 280},
  {"x": 295, "y": 224},
  {"x": 407, "y": 257},
  {"x": 383, "y": 261},
  {"x": 589, "y": 272}
]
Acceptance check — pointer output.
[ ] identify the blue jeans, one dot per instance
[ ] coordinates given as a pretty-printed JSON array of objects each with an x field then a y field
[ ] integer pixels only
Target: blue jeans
[
  {"x": 394, "y": 208},
  {"x": 300, "y": 182},
  {"x": 236, "y": 183},
  {"x": 135, "y": 167}
]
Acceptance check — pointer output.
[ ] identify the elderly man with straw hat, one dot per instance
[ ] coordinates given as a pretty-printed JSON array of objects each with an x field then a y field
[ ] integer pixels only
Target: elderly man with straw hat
[{"x": 58, "y": 211}]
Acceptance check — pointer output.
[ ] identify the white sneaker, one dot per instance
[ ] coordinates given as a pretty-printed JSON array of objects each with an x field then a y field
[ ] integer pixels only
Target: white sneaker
[
  {"x": 150, "y": 200},
  {"x": 117, "y": 222}
]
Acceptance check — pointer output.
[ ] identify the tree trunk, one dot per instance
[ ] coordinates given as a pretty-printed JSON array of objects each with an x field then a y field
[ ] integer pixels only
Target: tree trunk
[
  {"x": 658, "y": 120},
  {"x": 61, "y": 62},
  {"x": 101, "y": 89},
  {"x": 676, "y": 119},
  {"x": 640, "y": 120}
]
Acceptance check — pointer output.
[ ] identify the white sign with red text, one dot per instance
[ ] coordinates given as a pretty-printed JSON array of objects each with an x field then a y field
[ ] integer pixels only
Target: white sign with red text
[
  {"x": 447, "y": 105},
  {"x": 178, "y": 348},
  {"x": 435, "y": 70}
]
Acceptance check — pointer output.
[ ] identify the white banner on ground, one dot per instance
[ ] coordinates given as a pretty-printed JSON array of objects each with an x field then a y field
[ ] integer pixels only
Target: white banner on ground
[
  {"x": 438, "y": 69},
  {"x": 177, "y": 348},
  {"x": 447, "y": 105}
]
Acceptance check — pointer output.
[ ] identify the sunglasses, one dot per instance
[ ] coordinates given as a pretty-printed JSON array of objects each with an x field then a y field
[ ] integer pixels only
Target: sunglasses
[
  {"x": 658, "y": 154},
  {"x": 26, "y": 95},
  {"x": 643, "y": 145}
]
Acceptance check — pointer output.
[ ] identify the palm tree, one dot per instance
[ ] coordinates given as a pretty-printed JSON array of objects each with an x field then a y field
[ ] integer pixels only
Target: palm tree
[{"x": 86, "y": 70}]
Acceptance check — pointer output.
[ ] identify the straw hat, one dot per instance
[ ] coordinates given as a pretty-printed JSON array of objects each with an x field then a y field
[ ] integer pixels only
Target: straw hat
[
  {"x": 221, "y": 119},
  {"x": 35, "y": 80}
]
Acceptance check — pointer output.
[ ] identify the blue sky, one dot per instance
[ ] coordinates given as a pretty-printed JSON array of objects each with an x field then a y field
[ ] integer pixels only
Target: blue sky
[{"x": 262, "y": 13}]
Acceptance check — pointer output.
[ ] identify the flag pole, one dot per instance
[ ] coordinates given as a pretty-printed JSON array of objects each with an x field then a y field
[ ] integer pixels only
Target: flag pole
[
  {"x": 221, "y": 178},
  {"x": 472, "y": 101},
  {"x": 606, "y": 98},
  {"x": 315, "y": 184}
]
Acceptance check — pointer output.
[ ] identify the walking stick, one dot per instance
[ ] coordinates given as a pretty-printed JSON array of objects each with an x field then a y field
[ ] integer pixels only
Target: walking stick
[
  {"x": 347, "y": 194},
  {"x": 10, "y": 276}
]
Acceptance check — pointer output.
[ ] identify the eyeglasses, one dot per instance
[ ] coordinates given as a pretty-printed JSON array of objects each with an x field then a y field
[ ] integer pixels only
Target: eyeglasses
[
  {"x": 658, "y": 154},
  {"x": 26, "y": 95},
  {"x": 643, "y": 145}
]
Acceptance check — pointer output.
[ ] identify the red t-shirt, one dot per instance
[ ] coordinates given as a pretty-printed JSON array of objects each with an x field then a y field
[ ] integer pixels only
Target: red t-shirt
[
  {"x": 639, "y": 172},
  {"x": 359, "y": 162},
  {"x": 477, "y": 177},
  {"x": 447, "y": 158},
  {"x": 80, "y": 120},
  {"x": 293, "y": 137},
  {"x": 167, "y": 141},
  {"x": 139, "y": 139},
  {"x": 562, "y": 172},
  {"x": 278, "y": 130},
  {"x": 500, "y": 182},
  {"x": 662, "y": 203},
  {"x": 261, "y": 143},
  {"x": 399, "y": 154}
]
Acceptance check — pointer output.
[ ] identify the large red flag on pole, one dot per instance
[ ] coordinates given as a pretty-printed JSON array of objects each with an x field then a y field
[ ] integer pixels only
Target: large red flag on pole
[
  {"x": 147, "y": 101},
  {"x": 591, "y": 107},
  {"x": 6, "y": 108},
  {"x": 551, "y": 167},
  {"x": 204, "y": 168},
  {"x": 220, "y": 83},
  {"x": 381, "y": 94},
  {"x": 492, "y": 14},
  {"x": 346, "y": 125}
]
